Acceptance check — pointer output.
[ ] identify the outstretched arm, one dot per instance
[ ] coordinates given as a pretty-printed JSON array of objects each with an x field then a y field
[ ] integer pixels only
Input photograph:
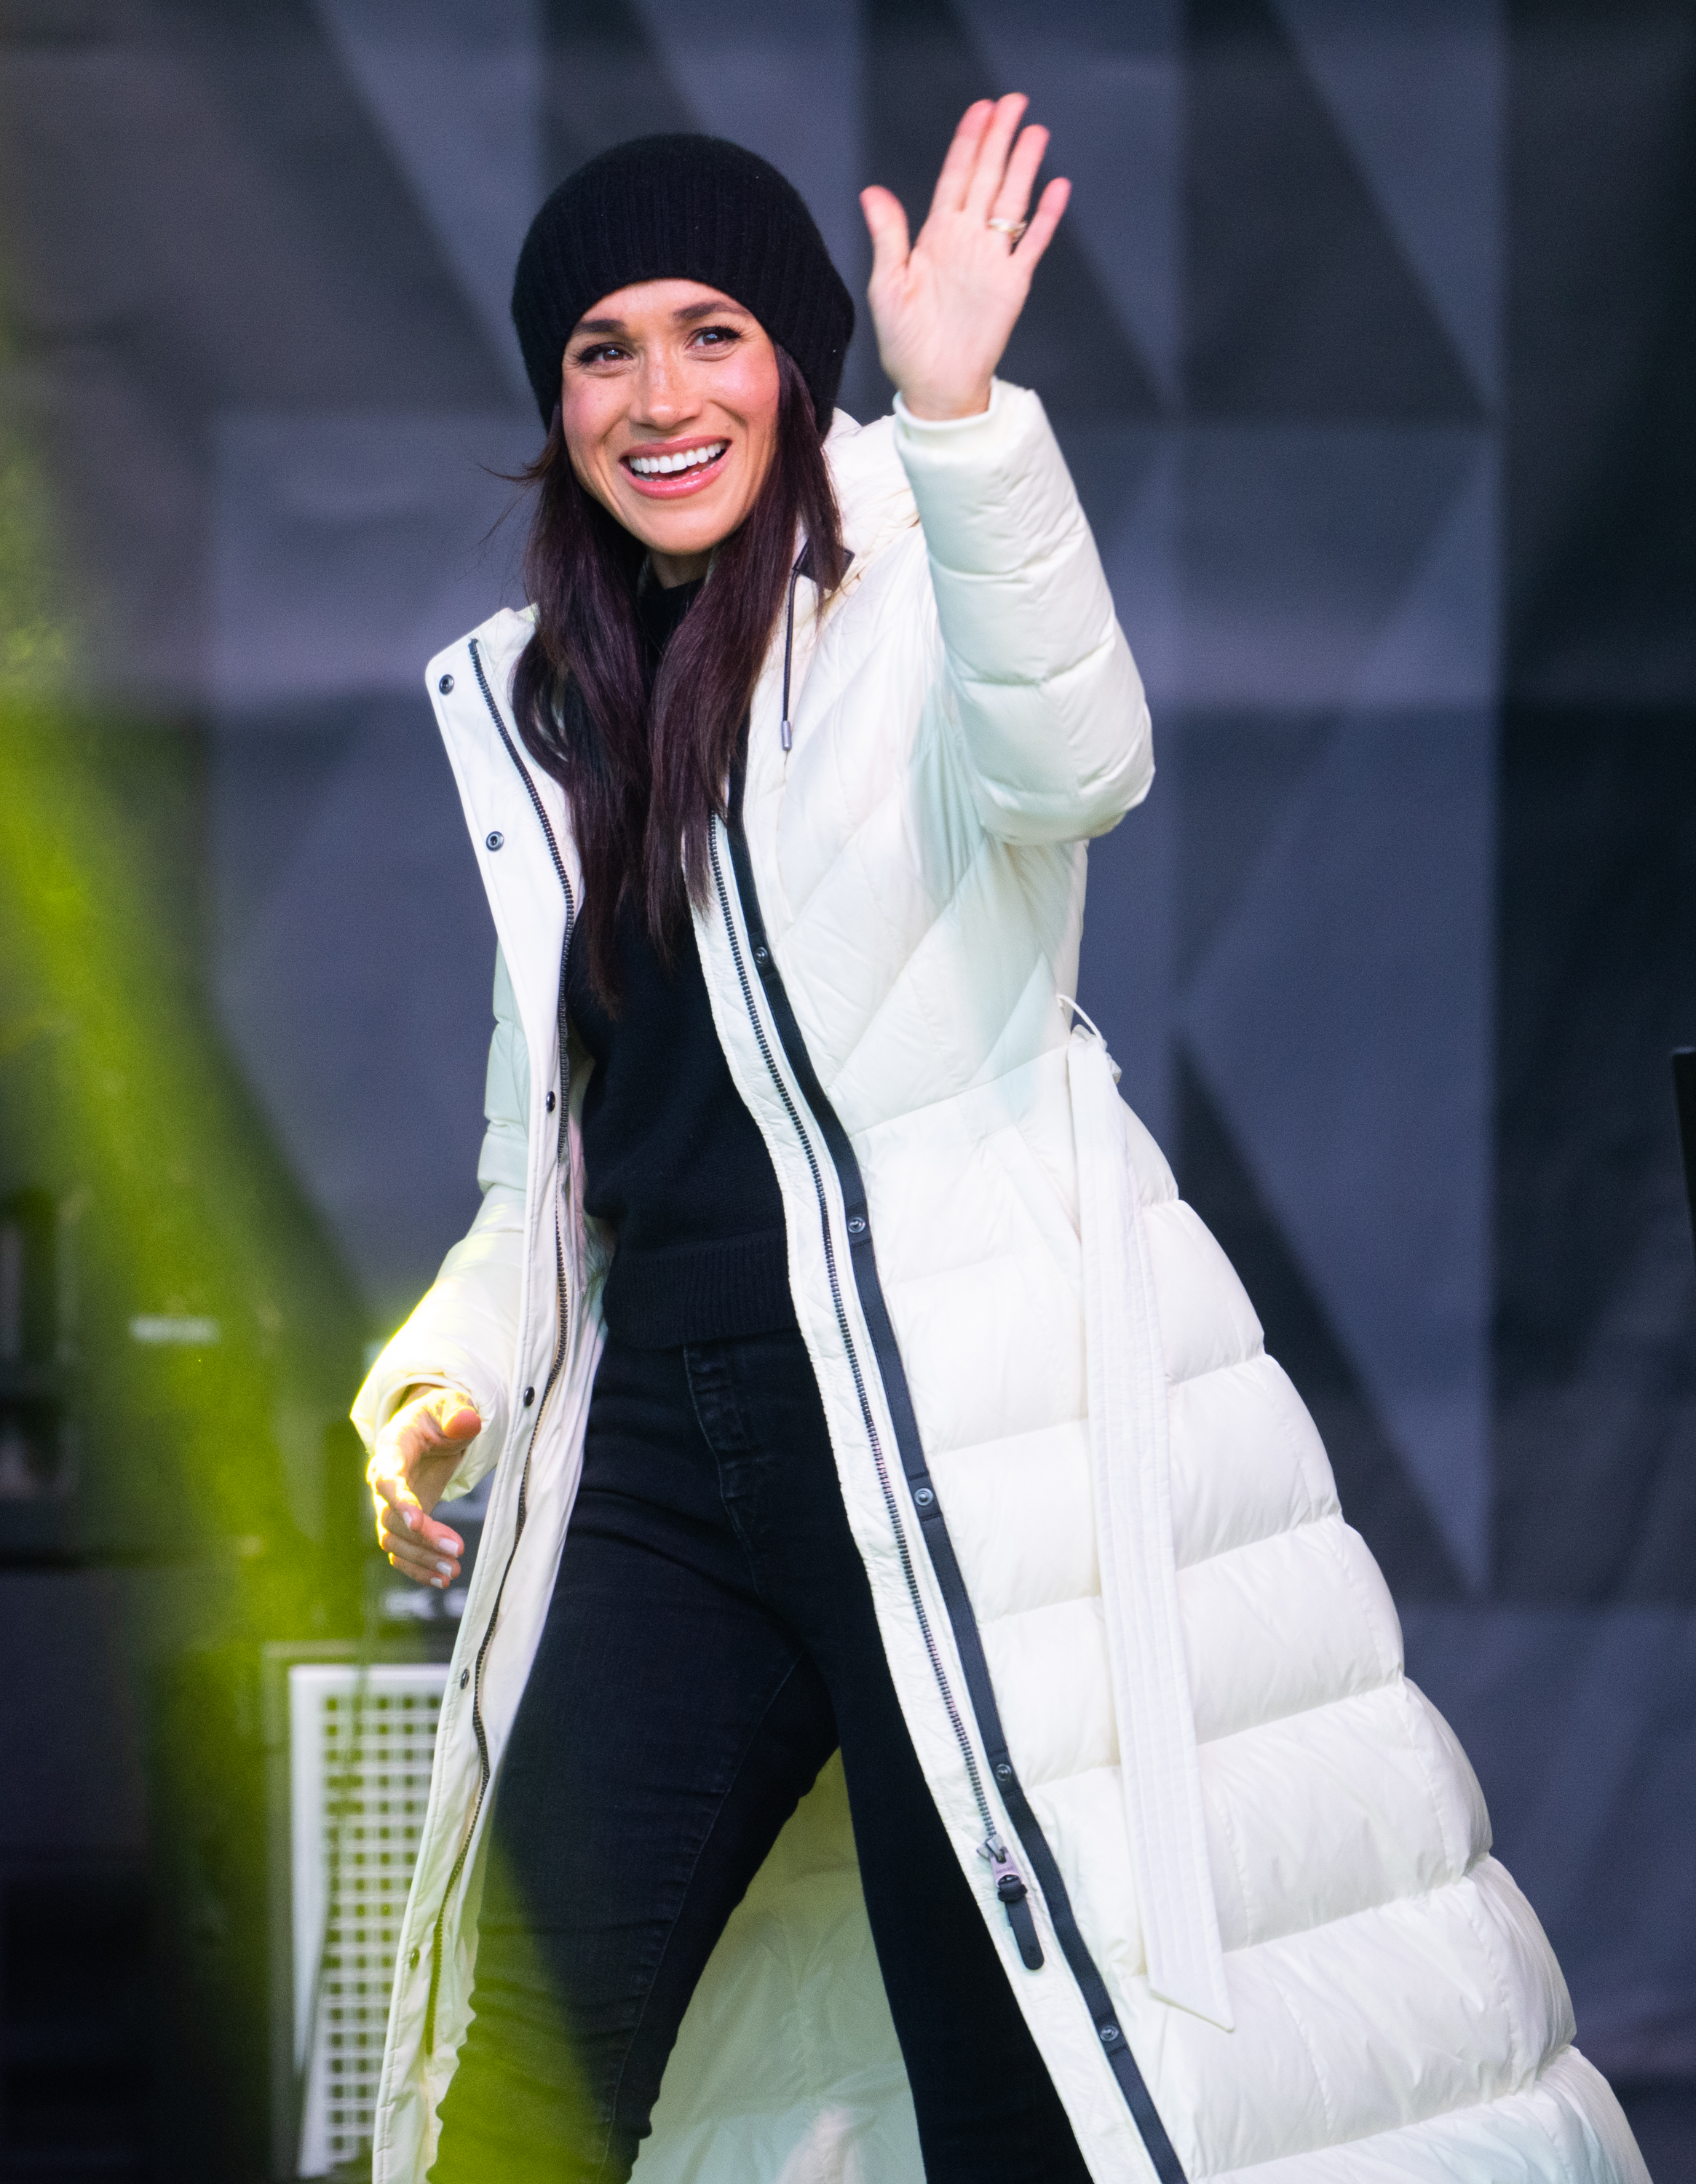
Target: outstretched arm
[{"x": 1047, "y": 703}]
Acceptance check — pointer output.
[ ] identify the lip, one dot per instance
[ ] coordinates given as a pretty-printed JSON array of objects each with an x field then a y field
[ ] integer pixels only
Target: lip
[{"x": 680, "y": 484}]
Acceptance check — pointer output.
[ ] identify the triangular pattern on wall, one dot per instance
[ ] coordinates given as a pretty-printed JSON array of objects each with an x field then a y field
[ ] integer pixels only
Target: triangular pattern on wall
[
  {"x": 1299, "y": 546},
  {"x": 1237, "y": 775},
  {"x": 1418, "y": 91},
  {"x": 922, "y": 70},
  {"x": 1442, "y": 645},
  {"x": 1109, "y": 82},
  {"x": 329, "y": 286},
  {"x": 1300, "y": 302},
  {"x": 1379, "y": 1498},
  {"x": 603, "y": 81},
  {"x": 456, "y": 97},
  {"x": 1343, "y": 1020}
]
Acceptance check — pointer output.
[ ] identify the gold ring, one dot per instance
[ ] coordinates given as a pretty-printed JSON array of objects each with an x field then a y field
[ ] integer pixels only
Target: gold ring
[{"x": 1012, "y": 229}]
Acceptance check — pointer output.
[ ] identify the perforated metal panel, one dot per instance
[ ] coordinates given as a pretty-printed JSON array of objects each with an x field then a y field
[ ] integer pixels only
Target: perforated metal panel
[{"x": 359, "y": 1754}]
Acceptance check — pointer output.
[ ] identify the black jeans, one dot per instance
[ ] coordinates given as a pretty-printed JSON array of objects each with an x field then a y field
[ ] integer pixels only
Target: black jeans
[{"x": 710, "y": 1638}]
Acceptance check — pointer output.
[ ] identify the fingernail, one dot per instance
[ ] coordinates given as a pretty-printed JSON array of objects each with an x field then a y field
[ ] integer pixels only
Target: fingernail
[
  {"x": 445, "y": 1569},
  {"x": 411, "y": 1516}
]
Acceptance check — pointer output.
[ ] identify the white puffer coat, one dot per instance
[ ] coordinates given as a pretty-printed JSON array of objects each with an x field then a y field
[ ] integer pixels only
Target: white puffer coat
[{"x": 1143, "y": 1657}]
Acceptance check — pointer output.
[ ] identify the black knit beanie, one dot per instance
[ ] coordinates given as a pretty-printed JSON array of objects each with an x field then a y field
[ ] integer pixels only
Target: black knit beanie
[{"x": 681, "y": 209}]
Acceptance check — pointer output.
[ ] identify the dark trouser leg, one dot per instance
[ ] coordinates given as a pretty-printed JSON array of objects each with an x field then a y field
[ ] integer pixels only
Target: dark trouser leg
[
  {"x": 987, "y": 2111},
  {"x": 669, "y": 1726}
]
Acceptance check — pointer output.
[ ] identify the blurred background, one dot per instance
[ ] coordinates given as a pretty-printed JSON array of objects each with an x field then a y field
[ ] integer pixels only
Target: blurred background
[{"x": 1371, "y": 337}]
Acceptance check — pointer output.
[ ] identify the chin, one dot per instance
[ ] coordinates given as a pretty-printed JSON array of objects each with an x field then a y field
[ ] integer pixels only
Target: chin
[{"x": 698, "y": 537}]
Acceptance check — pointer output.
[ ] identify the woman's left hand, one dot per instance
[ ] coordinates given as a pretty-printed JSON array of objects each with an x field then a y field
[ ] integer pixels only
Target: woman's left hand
[{"x": 944, "y": 307}]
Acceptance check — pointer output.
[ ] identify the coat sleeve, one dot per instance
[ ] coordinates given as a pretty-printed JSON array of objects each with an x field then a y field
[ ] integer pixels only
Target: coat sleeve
[
  {"x": 463, "y": 1331},
  {"x": 1047, "y": 699}
]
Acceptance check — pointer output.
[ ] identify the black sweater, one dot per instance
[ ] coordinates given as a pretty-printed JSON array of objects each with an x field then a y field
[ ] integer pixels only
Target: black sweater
[{"x": 673, "y": 1160}]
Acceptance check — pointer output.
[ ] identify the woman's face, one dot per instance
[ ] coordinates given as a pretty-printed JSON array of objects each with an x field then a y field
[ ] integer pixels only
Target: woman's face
[{"x": 669, "y": 405}]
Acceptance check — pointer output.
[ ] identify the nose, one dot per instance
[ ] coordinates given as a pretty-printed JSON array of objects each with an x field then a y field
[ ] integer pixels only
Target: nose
[{"x": 664, "y": 397}]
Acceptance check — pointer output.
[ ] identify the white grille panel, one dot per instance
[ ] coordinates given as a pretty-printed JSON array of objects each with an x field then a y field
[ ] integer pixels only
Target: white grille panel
[{"x": 359, "y": 1754}]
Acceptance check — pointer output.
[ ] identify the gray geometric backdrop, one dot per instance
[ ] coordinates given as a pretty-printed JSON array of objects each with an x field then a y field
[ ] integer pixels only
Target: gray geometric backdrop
[{"x": 1316, "y": 339}]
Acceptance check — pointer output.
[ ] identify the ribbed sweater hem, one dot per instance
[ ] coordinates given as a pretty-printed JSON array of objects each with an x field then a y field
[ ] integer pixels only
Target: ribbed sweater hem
[{"x": 700, "y": 1292}]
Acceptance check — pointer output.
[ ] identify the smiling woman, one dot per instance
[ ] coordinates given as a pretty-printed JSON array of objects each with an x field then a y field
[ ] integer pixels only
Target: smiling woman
[{"x": 877, "y": 1437}]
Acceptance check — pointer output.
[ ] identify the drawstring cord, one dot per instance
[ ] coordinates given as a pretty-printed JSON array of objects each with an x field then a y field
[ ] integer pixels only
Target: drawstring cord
[{"x": 789, "y": 644}]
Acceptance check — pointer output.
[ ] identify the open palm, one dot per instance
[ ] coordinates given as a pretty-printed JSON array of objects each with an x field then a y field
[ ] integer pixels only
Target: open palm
[{"x": 945, "y": 305}]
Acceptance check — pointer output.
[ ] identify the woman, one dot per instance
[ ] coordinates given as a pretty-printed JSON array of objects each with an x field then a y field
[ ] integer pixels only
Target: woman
[{"x": 826, "y": 1287}]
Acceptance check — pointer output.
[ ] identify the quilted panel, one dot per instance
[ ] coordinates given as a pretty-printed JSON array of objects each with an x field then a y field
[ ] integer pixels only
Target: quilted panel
[
  {"x": 1567, "y": 2124},
  {"x": 1365, "y": 2025},
  {"x": 1332, "y": 1811},
  {"x": 968, "y": 1336},
  {"x": 1206, "y": 1319},
  {"x": 1289, "y": 1623},
  {"x": 1049, "y": 1669},
  {"x": 1246, "y": 1459},
  {"x": 1021, "y": 1515}
]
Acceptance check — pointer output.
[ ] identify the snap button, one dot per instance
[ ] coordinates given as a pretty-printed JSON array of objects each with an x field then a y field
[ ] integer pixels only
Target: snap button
[
  {"x": 493, "y": 841},
  {"x": 924, "y": 1497},
  {"x": 464, "y": 1678},
  {"x": 444, "y": 686},
  {"x": 1004, "y": 1772},
  {"x": 529, "y": 1397},
  {"x": 413, "y": 1960},
  {"x": 857, "y": 1225},
  {"x": 550, "y": 1103},
  {"x": 762, "y": 955},
  {"x": 1110, "y": 2035}
]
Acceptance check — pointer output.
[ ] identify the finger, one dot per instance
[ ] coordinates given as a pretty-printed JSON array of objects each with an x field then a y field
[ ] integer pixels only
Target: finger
[
  {"x": 419, "y": 1564},
  {"x": 400, "y": 1532},
  {"x": 955, "y": 178},
  {"x": 992, "y": 153},
  {"x": 886, "y": 219},
  {"x": 1044, "y": 221},
  {"x": 402, "y": 1516},
  {"x": 438, "y": 1575},
  {"x": 1017, "y": 183},
  {"x": 425, "y": 1554},
  {"x": 397, "y": 1508}
]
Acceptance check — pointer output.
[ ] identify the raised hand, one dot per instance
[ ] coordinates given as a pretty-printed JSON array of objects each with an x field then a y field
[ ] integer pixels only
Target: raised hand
[
  {"x": 417, "y": 1453},
  {"x": 945, "y": 305}
]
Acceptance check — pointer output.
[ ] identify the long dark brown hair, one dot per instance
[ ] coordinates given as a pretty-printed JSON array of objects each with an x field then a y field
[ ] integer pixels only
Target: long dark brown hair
[{"x": 644, "y": 778}]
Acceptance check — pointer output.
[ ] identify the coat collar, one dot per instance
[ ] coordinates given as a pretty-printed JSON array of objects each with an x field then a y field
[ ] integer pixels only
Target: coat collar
[{"x": 872, "y": 493}]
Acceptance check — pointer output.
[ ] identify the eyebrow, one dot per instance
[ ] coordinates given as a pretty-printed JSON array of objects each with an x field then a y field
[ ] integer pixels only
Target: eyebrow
[{"x": 684, "y": 316}]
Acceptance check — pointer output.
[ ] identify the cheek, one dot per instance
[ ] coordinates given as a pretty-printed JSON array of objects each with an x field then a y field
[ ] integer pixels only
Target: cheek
[
  {"x": 759, "y": 402},
  {"x": 585, "y": 425}
]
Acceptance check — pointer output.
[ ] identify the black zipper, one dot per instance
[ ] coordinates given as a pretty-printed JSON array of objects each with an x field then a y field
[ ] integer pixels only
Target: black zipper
[
  {"x": 927, "y": 1507},
  {"x": 563, "y": 1298}
]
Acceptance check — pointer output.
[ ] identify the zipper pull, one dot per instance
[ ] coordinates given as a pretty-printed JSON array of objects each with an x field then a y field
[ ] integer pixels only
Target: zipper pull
[{"x": 1015, "y": 1898}]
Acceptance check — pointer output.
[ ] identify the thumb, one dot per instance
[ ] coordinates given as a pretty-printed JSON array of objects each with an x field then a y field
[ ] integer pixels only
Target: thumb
[
  {"x": 454, "y": 1415},
  {"x": 887, "y": 222}
]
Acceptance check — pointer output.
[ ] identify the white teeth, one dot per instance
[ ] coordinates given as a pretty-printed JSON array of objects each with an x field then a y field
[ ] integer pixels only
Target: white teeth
[{"x": 691, "y": 458}]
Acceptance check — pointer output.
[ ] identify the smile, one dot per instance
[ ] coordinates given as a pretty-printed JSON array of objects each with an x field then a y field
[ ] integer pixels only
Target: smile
[{"x": 687, "y": 459}]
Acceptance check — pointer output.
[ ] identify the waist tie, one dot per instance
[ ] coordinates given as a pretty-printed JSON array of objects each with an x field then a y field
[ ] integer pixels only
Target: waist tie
[{"x": 1131, "y": 1462}]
